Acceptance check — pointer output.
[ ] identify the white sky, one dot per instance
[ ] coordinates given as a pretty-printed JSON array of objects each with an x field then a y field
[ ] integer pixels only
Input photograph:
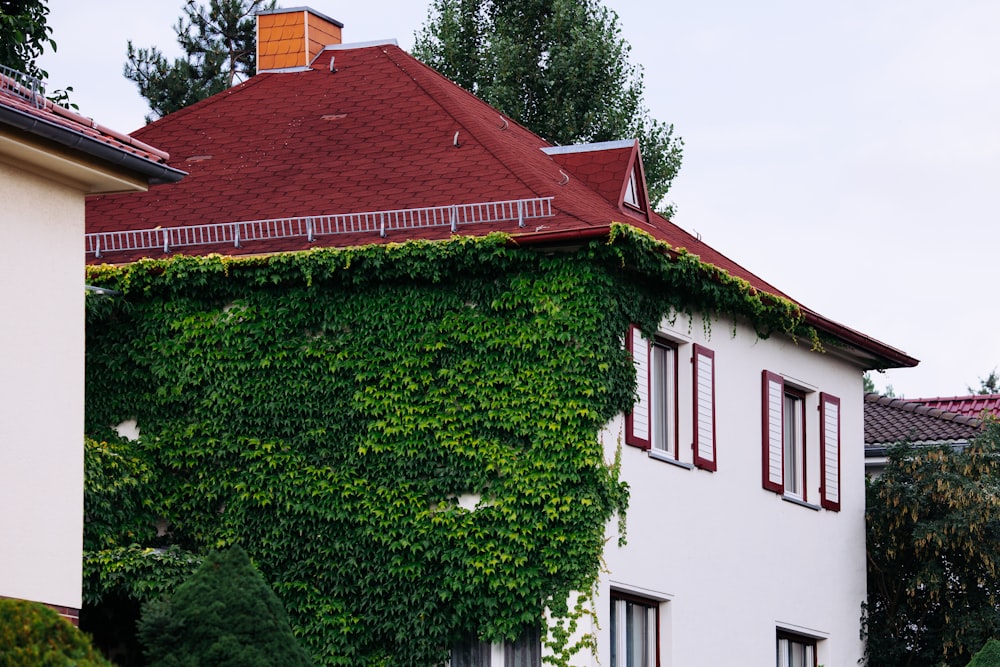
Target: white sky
[{"x": 847, "y": 152}]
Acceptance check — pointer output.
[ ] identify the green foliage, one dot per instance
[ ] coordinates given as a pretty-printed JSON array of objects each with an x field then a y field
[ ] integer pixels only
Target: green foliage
[
  {"x": 219, "y": 44},
  {"x": 933, "y": 554},
  {"x": 24, "y": 35},
  {"x": 560, "y": 67},
  {"x": 224, "y": 615},
  {"x": 987, "y": 385},
  {"x": 33, "y": 634},
  {"x": 988, "y": 656},
  {"x": 328, "y": 410}
]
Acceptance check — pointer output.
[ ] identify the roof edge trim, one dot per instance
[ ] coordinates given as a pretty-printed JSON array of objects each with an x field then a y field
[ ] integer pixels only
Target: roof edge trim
[
  {"x": 585, "y": 148},
  {"x": 286, "y": 70},
  {"x": 155, "y": 172},
  {"x": 391, "y": 41},
  {"x": 289, "y": 10}
]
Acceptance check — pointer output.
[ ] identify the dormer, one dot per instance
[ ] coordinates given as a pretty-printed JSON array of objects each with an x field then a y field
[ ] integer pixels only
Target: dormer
[{"x": 613, "y": 169}]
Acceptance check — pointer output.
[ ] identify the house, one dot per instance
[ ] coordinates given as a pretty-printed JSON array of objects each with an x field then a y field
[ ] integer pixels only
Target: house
[
  {"x": 50, "y": 159},
  {"x": 890, "y": 421},
  {"x": 743, "y": 451}
]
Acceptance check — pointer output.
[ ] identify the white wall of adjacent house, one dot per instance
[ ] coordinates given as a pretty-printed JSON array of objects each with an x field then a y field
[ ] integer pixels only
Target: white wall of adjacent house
[
  {"x": 727, "y": 563},
  {"x": 41, "y": 388}
]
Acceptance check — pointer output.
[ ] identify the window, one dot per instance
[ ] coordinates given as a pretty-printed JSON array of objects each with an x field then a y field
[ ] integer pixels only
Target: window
[
  {"x": 635, "y": 624},
  {"x": 525, "y": 652},
  {"x": 794, "y": 443},
  {"x": 785, "y": 451},
  {"x": 663, "y": 397},
  {"x": 653, "y": 423},
  {"x": 796, "y": 651},
  {"x": 631, "y": 193}
]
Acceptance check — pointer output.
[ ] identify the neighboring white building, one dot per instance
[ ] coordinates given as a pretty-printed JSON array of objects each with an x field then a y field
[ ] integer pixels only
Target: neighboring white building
[{"x": 50, "y": 159}]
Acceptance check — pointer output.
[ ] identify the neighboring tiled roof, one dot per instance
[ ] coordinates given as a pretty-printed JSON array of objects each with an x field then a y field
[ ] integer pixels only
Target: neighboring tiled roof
[
  {"x": 382, "y": 132},
  {"x": 972, "y": 406},
  {"x": 892, "y": 420},
  {"x": 26, "y": 110}
]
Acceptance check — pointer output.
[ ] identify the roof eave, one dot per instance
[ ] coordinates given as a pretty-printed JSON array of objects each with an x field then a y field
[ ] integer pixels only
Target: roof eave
[{"x": 154, "y": 172}]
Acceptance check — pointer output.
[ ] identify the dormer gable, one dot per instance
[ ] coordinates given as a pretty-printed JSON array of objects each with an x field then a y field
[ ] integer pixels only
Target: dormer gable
[{"x": 613, "y": 169}]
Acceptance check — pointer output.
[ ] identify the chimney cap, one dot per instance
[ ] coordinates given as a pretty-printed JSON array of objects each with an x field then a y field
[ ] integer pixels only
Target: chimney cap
[{"x": 292, "y": 10}]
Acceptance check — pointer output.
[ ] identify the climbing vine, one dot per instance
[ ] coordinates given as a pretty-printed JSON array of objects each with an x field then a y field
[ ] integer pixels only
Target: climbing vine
[{"x": 405, "y": 438}]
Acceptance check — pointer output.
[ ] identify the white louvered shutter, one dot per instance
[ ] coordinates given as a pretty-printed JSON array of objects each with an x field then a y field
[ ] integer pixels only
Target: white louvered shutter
[
  {"x": 773, "y": 434},
  {"x": 704, "y": 407},
  {"x": 829, "y": 456},
  {"x": 637, "y": 423}
]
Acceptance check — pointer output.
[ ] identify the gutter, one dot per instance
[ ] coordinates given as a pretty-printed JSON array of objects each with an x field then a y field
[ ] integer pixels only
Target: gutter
[
  {"x": 155, "y": 173},
  {"x": 885, "y": 353}
]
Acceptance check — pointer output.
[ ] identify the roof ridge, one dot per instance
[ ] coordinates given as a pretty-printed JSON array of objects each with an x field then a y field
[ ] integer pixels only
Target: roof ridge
[
  {"x": 920, "y": 409},
  {"x": 429, "y": 76}
]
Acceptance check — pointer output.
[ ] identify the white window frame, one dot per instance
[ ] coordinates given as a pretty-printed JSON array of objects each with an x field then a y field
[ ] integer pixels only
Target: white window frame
[
  {"x": 650, "y": 628},
  {"x": 794, "y": 441},
  {"x": 795, "y": 650}
]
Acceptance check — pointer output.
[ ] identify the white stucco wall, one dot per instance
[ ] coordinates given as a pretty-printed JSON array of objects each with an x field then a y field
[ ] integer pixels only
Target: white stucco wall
[
  {"x": 41, "y": 388},
  {"x": 730, "y": 561}
]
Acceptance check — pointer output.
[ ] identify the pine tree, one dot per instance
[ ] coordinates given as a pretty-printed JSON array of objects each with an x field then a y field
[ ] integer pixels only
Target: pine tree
[
  {"x": 219, "y": 44},
  {"x": 225, "y": 615},
  {"x": 560, "y": 67}
]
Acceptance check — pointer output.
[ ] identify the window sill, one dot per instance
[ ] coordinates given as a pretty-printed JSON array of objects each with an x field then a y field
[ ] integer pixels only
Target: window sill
[
  {"x": 802, "y": 503},
  {"x": 659, "y": 456}
]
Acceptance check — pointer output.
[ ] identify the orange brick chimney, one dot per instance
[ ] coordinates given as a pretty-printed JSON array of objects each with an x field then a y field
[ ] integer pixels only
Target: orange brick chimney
[{"x": 293, "y": 37}]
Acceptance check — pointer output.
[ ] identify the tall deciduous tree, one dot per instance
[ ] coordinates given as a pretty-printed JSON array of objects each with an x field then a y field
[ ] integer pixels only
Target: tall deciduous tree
[
  {"x": 219, "y": 45},
  {"x": 934, "y": 554},
  {"x": 560, "y": 67},
  {"x": 24, "y": 34}
]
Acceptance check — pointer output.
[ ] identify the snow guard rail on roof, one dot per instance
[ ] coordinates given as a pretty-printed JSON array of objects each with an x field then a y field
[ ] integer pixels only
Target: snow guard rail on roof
[{"x": 311, "y": 227}]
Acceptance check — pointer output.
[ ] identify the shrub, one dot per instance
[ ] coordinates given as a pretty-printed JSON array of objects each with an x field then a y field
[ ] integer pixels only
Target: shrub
[
  {"x": 988, "y": 656},
  {"x": 33, "y": 634},
  {"x": 225, "y": 615}
]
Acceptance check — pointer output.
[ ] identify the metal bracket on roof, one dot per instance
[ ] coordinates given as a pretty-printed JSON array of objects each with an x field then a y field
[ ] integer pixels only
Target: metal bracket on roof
[
  {"x": 381, "y": 228},
  {"x": 309, "y": 230},
  {"x": 520, "y": 213},
  {"x": 454, "y": 219},
  {"x": 166, "y": 241}
]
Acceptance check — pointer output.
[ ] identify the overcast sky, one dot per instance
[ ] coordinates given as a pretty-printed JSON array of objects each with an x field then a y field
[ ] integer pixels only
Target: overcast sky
[{"x": 847, "y": 152}]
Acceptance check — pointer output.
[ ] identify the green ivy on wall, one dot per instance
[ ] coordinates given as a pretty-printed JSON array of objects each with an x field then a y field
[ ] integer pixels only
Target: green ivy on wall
[{"x": 327, "y": 411}]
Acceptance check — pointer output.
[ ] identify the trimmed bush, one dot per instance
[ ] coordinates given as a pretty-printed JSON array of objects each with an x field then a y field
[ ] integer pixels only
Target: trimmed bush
[
  {"x": 33, "y": 634},
  {"x": 225, "y": 615}
]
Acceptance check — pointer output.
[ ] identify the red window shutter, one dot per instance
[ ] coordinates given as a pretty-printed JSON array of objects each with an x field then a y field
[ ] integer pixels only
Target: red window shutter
[
  {"x": 637, "y": 424},
  {"x": 773, "y": 402},
  {"x": 829, "y": 455},
  {"x": 703, "y": 360}
]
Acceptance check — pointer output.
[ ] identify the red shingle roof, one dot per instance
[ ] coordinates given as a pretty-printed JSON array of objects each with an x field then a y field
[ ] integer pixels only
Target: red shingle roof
[
  {"x": 382, "y": 132},
  {"x": 970, "y": 406},
  {"x": 889, "y": 421}
]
